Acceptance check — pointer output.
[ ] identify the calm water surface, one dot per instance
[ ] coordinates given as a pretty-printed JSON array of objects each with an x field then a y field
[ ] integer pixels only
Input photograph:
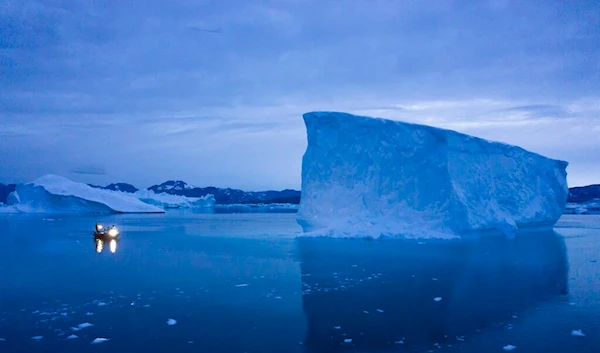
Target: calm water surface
[{"x": 246, "y": 283}]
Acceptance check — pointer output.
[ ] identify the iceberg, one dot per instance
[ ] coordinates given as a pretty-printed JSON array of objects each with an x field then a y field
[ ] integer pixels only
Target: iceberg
[
  {"x": 56, "y": 194},
  {"x": 374, "y": 177},
  {"x": 165, "y": 200},
  {"x": 590, "y": 207}
]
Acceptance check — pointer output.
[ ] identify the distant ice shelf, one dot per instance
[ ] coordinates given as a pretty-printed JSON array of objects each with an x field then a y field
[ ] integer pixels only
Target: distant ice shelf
[
  {"x": 257, "y": 208},
  {"x": 365, "y": 176}
]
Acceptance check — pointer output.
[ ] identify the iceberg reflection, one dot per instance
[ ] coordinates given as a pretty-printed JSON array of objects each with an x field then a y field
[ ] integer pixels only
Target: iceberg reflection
[{"x": 421, "y": 295}]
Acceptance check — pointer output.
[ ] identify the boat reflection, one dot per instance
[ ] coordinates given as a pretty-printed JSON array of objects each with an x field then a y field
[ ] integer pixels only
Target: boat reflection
[
  {"x": 100, "y": 244},
  {"x": 361, "y": 295}
]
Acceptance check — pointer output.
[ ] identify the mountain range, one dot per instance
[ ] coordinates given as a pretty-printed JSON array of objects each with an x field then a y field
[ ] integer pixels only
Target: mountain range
[
  {"x": 222, "y": 196},
  {"x": 226, "y": 196},
  {"x": 582, "y": 194}
]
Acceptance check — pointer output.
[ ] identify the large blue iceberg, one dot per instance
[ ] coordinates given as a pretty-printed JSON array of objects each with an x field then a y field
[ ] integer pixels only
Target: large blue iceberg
[{"x": 363, "y": 176}]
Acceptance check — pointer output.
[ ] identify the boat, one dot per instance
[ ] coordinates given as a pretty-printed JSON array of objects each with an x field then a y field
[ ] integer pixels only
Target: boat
[{"x": 106, "y": 233}]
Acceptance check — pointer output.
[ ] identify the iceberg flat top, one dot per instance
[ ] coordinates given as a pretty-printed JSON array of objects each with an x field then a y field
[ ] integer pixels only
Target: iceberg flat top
[
  {"x": 115, "y": 200},
  {"x": 372, "y": 176}
]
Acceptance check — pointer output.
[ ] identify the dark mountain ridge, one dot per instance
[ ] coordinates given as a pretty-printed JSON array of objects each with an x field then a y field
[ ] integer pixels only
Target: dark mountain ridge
[{"x": 228, "y": 195}]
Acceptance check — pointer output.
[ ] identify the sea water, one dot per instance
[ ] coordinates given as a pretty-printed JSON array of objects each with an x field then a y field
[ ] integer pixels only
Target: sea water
[{"x": 187, "y": 282}]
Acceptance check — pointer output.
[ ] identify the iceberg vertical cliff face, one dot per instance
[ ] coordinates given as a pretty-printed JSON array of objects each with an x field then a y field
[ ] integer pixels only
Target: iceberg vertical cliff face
[{"x": 370, "y": 177}]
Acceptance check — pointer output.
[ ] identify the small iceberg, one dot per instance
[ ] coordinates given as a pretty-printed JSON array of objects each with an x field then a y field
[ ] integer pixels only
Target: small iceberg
[
  {"x": 84, "y": 325},
  {"x": 72, "y": 337},
  {"x": 37, "y": 338},
  {"x": 100, "y": 340},
  {"x": 578, "y": 333},
  {"x": 171, "y": 322},
  {"x": 509, "y": 347}
]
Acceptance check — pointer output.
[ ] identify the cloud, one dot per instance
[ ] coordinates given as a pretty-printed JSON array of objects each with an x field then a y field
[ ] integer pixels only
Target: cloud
[
  {"x": 189, "y": 78},
  {"x": 89, "y": 170}
]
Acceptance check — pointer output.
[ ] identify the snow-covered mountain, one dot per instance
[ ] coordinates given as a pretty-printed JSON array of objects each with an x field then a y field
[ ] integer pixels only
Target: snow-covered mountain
[{"x": 228, "y": 195}]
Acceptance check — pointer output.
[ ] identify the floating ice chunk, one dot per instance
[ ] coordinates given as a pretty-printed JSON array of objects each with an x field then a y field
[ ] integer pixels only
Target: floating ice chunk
[
  {"x": 277, "y": 297},
  {"x": 348, "y": 340},
  {"x": 366, "y": 312},
  {"x": 190, "y": 342},
  {"x": 101, "y": 303},
  {"x": 379, "y": 310},
  {"x": 75, "y": 329},
  {"x": 509, "y": 347},
  {"x": 514, "y": 316},
  {"x": 399, "y": 342},
  {"x": 72, "y": 337},
  {"x": 37, "y": 338},
  {"x": 89, "y": 313},
  {"x": 2, "y": 339},
  {"x": 337, "y": 327},
  {"x": 100, "y": 340},
  {"x": 171, "y": 322},
  {"x": 437, "y": 299},
  {"x": 577, "y": 333},
  {"x": 147, "y": 306},
  {"x": 460, "y": 338},
  {"x": 84, "y": 325},
  {"x": 242, "y": 285}
]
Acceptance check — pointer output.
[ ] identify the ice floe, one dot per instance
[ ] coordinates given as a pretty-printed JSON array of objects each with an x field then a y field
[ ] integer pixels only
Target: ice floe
[
  {"x": 171, "y": 322},
  {"x": 100, "y": 340}
]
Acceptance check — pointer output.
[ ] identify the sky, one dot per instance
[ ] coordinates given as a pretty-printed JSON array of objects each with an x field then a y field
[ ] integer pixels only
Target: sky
[{"x": 213, "y": 92}]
